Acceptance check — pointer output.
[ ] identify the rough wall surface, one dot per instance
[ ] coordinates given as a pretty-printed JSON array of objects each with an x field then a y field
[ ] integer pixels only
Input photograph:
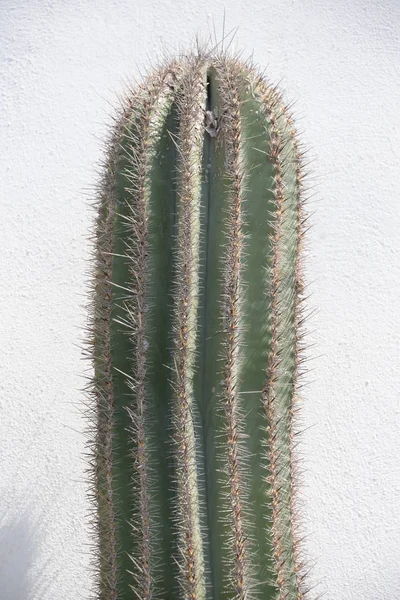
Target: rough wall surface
[{"x": 61, "y": 66}]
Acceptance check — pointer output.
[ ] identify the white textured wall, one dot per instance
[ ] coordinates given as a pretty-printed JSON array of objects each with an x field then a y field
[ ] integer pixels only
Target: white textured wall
[{"x": 61, "y": 63}]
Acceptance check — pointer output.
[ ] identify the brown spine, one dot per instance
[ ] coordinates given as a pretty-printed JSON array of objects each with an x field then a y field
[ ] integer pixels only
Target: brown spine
[
  {"x": 230, "y": 101},
  {"x": 189, "y": 145},
  {"x": 141, "y": 138}
]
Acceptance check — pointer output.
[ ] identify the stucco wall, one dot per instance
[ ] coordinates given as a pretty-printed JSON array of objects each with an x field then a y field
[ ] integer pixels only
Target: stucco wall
[{"x": 61, "y": 65}]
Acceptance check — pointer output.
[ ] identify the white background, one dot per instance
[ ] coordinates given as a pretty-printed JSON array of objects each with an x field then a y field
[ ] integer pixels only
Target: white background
[{"x": 62, "y": 64}]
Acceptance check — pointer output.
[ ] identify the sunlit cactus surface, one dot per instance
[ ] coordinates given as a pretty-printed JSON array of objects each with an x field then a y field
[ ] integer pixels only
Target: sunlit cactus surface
[{"x": 196, "y": 340}]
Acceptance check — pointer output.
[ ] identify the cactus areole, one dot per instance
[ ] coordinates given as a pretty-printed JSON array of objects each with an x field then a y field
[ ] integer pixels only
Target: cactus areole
[{"x": 196, "y": 340}]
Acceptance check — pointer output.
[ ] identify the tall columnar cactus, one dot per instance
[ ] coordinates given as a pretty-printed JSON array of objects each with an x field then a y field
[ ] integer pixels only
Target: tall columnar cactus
[{"x": 196, "y": 340}]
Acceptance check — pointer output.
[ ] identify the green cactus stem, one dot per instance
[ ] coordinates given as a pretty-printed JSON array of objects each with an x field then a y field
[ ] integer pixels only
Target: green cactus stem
[{"x": 195, "y": 340}]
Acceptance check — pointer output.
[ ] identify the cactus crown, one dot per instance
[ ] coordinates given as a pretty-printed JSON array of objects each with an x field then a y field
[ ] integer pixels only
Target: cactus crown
[{"x": 195, "y": 339}]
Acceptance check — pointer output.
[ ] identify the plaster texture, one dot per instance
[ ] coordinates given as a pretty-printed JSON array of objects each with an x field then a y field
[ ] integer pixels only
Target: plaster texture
[{"x": 61, "y": 67}]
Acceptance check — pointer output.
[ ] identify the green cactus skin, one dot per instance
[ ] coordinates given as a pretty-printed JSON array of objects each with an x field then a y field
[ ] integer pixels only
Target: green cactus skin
[{"x": 196, "y": 340}]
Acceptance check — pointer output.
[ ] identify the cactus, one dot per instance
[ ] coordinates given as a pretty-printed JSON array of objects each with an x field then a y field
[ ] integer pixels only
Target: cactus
[{"x": 195, "y": 339}]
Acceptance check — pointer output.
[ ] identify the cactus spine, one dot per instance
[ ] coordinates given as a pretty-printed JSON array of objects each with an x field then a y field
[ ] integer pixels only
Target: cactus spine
[{"x": 196, "y": 340}]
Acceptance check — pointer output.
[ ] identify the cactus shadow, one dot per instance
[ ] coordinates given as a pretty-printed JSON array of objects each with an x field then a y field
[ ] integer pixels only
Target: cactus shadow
[{"x": 17, "y": 549}]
